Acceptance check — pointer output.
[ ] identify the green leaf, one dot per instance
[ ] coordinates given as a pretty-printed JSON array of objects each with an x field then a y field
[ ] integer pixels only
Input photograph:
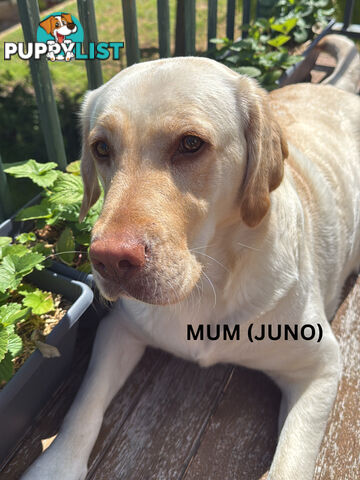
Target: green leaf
[
  {"x": 249, "y": 71},
  {"x": 8, "y": 277},
  {"x": 36, "y": 211},
  {"x": 40, "y": 302},
  {"x": 6, "y": 368},
  {"x": 3, "y": 342},
  {"x": 68, "y": 189},
  {"x": 74, "y": 167},
  {"x": 41, "y": 174},
  {"x": 18, "y": 250},
  {"x": 14, "y": 344},
  {"x": 26, "y": 237},
  {"x": 279, "y": 40},
  {"x": 26, "y": 264},
  {"x": 5, "y": 241},
  {"x": 13, "y": 313},
  {"x": 65, "y": 246},
  {"x": 286, "y": 26},
  {"x": 3, "y": 297}
]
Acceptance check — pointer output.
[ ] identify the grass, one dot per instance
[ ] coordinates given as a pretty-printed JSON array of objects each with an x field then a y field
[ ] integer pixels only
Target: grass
[{"x": 72, "y": 76}]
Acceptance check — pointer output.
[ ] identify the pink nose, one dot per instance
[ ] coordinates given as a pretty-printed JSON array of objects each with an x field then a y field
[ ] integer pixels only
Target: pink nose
[{"x": 116, "y": 257}]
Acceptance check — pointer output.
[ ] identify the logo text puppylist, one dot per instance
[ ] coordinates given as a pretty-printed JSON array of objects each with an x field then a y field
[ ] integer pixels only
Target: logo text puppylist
[{"x": 60, "y": 37}]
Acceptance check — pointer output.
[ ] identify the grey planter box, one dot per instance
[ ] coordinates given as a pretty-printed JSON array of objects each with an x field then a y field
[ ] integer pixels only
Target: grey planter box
[{"x": 27, "y": 392}]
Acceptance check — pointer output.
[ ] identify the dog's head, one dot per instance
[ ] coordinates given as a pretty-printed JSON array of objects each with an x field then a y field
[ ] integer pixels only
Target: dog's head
[
  {"x": 59, "y": 26},
  {"x": 181, "y": 146}
]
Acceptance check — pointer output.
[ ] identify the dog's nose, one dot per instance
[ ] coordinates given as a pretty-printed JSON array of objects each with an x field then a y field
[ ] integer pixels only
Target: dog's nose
[
  {"x": 71, "y": 26},
  {"x": 117, "y": 257}
]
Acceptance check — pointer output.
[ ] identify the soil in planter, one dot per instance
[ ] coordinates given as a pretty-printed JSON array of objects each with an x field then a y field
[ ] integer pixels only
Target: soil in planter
[{"x": 41, "y": 324}]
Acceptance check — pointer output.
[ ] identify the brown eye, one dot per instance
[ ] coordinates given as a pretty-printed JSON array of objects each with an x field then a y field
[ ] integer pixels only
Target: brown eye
[
  {"x": 101, "y": 149},
  {"x": 190, "y": 144},
  {"x": 57, "y": 24}
]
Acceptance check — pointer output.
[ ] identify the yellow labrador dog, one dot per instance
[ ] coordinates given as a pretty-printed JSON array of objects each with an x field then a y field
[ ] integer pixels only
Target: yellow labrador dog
[{"x": 224, "y": 205}]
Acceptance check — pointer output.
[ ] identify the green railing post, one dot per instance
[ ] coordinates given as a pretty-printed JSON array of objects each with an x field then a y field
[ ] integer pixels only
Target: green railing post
[
  {"x": 163, "y": 27},
  {"x": 88, "y": 21},
  {"x": 185, "y": 28},
  {"x": 212, "y": 21},
  {"x": 246, "y": 16},
  {"x": 131, "y": 33},
  {"x": 49, "y": 119},
  {"x": 230, "y": 19},
  {"x": 5, "y": 199}
]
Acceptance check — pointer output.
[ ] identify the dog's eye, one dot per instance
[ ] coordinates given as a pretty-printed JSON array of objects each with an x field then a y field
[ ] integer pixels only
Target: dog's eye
[
  {"x": 64, "y": 22},
  {"x": 101, "y": 149},
  {"x": 57, "y": 24},
  {"x": 190, "y": 144}
]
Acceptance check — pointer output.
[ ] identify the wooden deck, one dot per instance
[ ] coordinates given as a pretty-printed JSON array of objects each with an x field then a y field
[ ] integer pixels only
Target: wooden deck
[{"x": 174, "y": 420}]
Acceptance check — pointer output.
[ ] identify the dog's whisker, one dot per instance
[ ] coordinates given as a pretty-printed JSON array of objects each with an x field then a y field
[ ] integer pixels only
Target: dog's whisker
[
  {"x": 212, "y": 258},
  {"x": 248, "y": 246},
  {"x": 212, "y": 286}
]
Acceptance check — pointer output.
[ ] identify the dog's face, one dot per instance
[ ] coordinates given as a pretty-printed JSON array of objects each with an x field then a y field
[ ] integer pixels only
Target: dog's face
[
  {"x": 181, "y": 147},
  {"x": 59, "y": 26}
]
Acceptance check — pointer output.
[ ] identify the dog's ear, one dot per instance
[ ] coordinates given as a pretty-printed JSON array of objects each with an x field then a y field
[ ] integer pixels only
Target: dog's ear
[
  {"x": 266, "y": 151},
  {"x": 46, "y": 25},
  {"x": 67, "y": 17},
  {"x": 88, "y": 169}
]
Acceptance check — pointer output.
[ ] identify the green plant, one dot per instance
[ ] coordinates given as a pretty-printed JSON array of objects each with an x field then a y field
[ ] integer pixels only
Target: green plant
[
  {"x": 56, "y": 216},
  {"x": 261, "y": 54},
  {"x": 19, "y": 300},
  {"x": 308, "y": 13},
  {"x": 265, "y": 54}
]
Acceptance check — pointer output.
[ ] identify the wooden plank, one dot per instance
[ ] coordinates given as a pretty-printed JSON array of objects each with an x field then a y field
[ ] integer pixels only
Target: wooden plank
[
  {"x": 212, "y": 21},
  {"x": 163, "y": 27},
  {"x": 241, "y": 437},
  {"x": 339, "y": 456},
  {"x": 160, "y": 436},
  {"x": 131, "y": 32},
  {"x": 230, "y": 19},
  {"x": 88, "y": 21},
  {"x": 49, "y": 119}
]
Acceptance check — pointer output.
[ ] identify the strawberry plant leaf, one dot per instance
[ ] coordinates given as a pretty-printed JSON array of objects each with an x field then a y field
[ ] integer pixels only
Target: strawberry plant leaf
[
  {"x": 12, "y": 313},
  {"x": 26, "y": 237},
  {"x": 5, "y": 241},
  {"x": 41, "y": 174},
  {"x": 34, "y": 212},
  {"x": 65, "y": 246},
  {"x": 6, "y": 368},
  {"x": 68, "y": 189},
  {"x": 39, "y": 302},
  {"x": 74, "y": 167},
  {"x": 14, "y": 344},
  {"x": 3, "y": 342},
  {"x": 279, "y": 40}
]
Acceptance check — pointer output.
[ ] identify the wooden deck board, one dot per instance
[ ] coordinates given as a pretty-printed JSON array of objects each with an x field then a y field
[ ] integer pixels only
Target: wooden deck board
[
  {"x": 175, "y": 420},
  {"x": 241, "y": 436},
  {"x": 158, "y": 439}
]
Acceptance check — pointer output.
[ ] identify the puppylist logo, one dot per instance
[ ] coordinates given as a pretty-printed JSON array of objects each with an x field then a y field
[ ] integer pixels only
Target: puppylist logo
[{"x": 60, "y": 37}]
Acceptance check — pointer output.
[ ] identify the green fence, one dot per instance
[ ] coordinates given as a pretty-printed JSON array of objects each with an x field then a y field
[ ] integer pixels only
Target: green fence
[{"x": 184, "y": 45}]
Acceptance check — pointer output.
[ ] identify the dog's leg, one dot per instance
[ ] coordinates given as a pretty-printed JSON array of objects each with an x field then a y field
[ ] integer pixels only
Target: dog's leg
[
  {"x": 308, "y": 396},
  {"x": 115, "y": 353}
]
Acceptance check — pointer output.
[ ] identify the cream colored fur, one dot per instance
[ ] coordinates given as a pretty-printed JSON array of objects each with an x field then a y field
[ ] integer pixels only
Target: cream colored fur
[{"x": 238, "y": 235}]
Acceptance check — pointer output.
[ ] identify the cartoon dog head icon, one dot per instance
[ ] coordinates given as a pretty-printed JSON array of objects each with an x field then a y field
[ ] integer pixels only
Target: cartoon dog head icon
[{"x": 59, "y": 26}]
